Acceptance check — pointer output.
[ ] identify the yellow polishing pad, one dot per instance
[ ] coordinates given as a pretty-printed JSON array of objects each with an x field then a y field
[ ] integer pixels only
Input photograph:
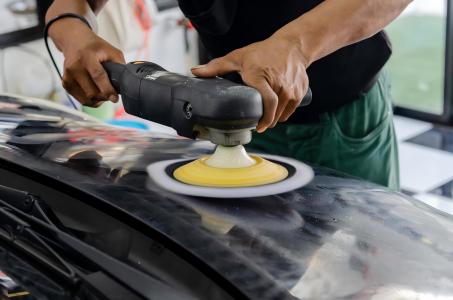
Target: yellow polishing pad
[{"x": 201, "y": 174}]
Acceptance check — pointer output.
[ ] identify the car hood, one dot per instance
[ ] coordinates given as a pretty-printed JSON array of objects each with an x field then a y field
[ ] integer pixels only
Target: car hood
[{"x": 338, "y": 237}]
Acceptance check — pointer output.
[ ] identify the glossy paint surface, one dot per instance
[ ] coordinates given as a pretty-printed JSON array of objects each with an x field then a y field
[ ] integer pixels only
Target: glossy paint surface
[{"x": 337, "y": 237}]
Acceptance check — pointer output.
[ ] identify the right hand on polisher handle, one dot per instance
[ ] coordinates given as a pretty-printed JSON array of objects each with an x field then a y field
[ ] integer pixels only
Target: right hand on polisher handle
[{"x": 84, "y": 51}]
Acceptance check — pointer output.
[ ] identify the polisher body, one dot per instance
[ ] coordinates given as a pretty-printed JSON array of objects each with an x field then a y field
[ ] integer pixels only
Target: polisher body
[
  {"x": 214, "y": 109},
  {"x": 208, "y": 108}
]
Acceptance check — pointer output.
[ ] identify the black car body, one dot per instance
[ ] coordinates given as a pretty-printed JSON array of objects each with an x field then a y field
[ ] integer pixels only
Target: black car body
[{"x": 336, "y": 238}]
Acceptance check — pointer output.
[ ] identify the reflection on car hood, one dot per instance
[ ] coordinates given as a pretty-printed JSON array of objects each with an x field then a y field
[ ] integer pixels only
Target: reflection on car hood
[{"x": 338, "y": 237}]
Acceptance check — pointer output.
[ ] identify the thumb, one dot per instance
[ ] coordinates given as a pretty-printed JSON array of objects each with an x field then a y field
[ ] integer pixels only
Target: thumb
[{"x": 216, "y": 67}]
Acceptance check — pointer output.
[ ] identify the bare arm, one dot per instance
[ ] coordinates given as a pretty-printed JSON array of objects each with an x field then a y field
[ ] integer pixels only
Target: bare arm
[
  {"x": 87, "y": 8},
  {"x": 276, "y": 67},
  {"x": 81, "y": 7},
  {"x": 84, "y": 77},
  {"x": 337, "y": 23}
]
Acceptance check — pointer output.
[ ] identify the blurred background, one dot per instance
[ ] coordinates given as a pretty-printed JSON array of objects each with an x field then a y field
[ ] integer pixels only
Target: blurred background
[
  {"x": 156, "y": 30},
  {"x": 143, "y": 29},
  {"x": 418, "y": 62}
]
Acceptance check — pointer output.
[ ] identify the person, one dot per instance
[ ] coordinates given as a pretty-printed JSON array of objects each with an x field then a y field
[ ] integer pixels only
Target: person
[{"x": 337, "y": 47}]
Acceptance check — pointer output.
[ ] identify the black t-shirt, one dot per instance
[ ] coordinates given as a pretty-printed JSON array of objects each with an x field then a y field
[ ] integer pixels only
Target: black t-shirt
[{"x": 337, "y": 79}]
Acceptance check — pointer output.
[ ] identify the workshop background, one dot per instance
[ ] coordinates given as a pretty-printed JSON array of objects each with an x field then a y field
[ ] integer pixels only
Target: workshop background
[{"x": 155, "y": 30}]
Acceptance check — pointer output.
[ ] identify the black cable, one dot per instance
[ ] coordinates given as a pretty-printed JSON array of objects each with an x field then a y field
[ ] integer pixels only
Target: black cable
[{"x": 46, "y": 36}]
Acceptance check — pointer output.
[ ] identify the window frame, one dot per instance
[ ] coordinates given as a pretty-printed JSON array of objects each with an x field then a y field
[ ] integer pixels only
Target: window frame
[{"x": 446, "y": 117}]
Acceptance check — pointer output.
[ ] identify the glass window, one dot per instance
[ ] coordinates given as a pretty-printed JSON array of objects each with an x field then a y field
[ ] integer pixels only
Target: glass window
[{"x": 417, "y": 64}]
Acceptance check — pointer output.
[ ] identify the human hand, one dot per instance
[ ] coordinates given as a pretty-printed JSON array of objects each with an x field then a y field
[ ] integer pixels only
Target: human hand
[
  {"x": 84, "y": 51},
  {"x": 276, "y": 67}
]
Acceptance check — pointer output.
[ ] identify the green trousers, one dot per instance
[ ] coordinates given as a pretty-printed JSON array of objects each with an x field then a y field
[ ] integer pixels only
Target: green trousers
[{"x": 358, "y": 139}]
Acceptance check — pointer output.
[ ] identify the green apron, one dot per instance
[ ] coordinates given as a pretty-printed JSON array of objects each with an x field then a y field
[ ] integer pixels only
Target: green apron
[{"x": 358, "y": 138}]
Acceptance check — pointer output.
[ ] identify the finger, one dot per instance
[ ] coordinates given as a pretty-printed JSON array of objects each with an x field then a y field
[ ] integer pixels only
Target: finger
[
  {"x": 90, "y": 89},
  {"x": 101, "y": 80},
  {"x": 219, "y": 66},
  {"x": 270, "y": 101},
  {"x": 73, "y": 88},
  {"x": 118, "y": 57},
  {"x": 294, "y": 103},
  {"x": 289, "y": 110},
  {"x": 283, "y": 100},
  {"x": 95, "y": 103}
]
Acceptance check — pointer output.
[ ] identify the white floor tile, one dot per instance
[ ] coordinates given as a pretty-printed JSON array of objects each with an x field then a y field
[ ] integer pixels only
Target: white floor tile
[
  {"x": 423, "y": 169},
  {"x": 439, "y": 202},
  {"x": 408, "y": 128}
]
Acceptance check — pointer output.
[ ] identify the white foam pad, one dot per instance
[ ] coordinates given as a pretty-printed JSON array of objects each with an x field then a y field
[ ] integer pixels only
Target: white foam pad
[{"x": 302, "y": 176}]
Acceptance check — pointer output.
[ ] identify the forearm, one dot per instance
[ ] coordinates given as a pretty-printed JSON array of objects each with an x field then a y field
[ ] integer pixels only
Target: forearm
[
  {"x": 86, "y": 8},
  {"x": 337, "y": 23}
]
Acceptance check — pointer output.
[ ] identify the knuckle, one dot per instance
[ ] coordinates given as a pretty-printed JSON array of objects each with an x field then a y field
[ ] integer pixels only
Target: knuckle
[
  {"x": 95, "y": 46},
  {"x": 67, "y": 84},
  {"x": 72, "y": 63},
  {"x": 214, "y": 62},
  {"x": 74, "y": 69},
  {"x": 267, "y": 120},
  {"x": 118, "y": 54},
  {"x": 98, "y": 74},
  {"x": 296, "y": 100},
  {"x": 69, "y": 67},
  {"x": 104, "y": 93},
  {"x": 272, "y": 101},
  {"x": 283, "y": 100},
  {"x": 90, "y": 95}
]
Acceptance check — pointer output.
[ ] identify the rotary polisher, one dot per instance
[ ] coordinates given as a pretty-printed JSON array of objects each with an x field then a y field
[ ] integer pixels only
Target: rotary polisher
[{"x": 213, "y": 109}]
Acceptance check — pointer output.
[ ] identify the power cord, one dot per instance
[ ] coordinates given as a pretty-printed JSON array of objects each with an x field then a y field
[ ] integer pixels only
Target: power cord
[{"x": 46, "y": 41}]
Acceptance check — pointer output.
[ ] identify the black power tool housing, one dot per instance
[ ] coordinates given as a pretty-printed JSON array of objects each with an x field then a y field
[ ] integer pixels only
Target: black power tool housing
[{"x": 211, "y": 108}]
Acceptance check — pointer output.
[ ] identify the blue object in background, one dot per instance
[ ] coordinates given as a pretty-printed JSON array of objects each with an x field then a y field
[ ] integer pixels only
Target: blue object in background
[{"x": 128, "y": 124}]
